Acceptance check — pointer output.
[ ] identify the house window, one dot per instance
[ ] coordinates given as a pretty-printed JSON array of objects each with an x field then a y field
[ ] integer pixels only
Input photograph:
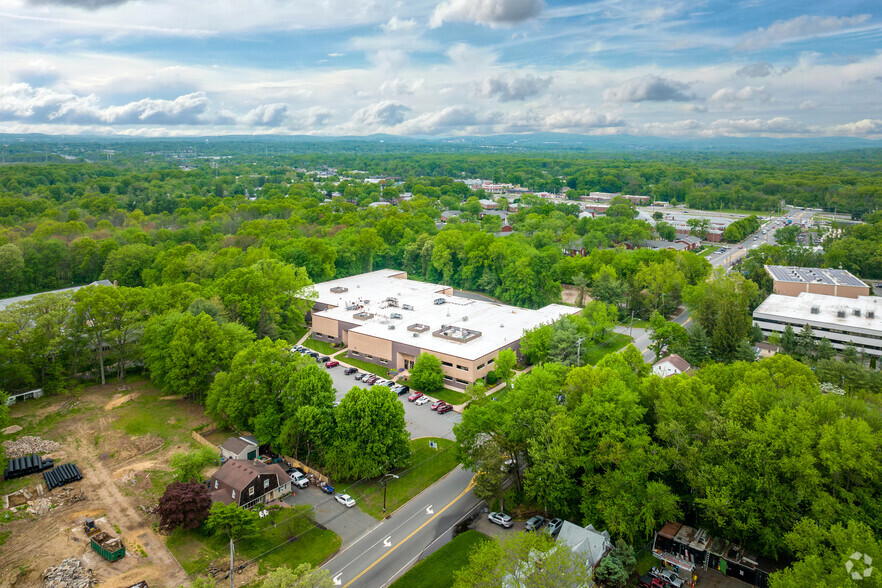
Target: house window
[
  {"x": 447, "y": 363},
  {"x": 489, "y": 361},
  {"x": 234, "y": 494},
  {"x": 480, "y": 367},
  {"x": 354, "y": 352},
  {"x": 461, "y": 381},
  {"x": 384, "y": 361},
  {"x": 368, "y": 356},
  {"x": 251, "y": 491},
  {"x": 265, "y": 484}
]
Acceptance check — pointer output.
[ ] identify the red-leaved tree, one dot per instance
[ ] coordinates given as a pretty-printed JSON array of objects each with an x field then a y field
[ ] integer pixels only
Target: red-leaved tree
[{"x": 184, "y": 504}]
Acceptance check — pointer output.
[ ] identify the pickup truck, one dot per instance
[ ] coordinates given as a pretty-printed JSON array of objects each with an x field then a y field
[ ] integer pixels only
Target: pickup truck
[{"x": 299, "y": 480}]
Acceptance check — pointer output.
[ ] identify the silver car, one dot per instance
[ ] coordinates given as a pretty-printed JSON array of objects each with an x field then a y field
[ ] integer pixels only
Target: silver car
[{"x": 501, "y": 519}]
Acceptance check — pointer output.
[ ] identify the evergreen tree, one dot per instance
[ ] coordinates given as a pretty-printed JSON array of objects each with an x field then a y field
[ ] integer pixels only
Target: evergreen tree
[
  {"x": 806, "y": 344},
  {"x": 788, "y": 341},
  {"x": 825, "y": 350}
]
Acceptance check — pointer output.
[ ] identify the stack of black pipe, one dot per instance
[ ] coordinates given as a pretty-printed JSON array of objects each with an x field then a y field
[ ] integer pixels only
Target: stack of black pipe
[
  {"x": 23, "y": 466},
  {"x": 62, "y": 475}
]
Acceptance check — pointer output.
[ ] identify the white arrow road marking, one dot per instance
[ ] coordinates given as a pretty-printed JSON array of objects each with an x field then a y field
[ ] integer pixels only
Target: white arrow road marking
[
  {"x": 429, "y": 509},
  {"x": 386, "y": 542},
  {"x": 337, "y": 580}
]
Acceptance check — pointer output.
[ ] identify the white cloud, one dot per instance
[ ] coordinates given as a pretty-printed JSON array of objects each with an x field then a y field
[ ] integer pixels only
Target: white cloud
[
  {"x": 861, "y": 127},
  {"x": 486, "y": 12},
  {"x": 575, "y": 120},
  {"x": 650, "y": 88},
  {"x": 808, "y": 105},
  {"x": 692, "y": 107},
  {"x": 400, "y": 87},
  {"x": 267, "y": 115},
  {"x": 386, "y": 114},
  {"x": 755, "y": 70},
  {"x": 465, "y": 55},
  {"x": 801, "y": 27},
  {"x": 451, "y": 120},
  {"x": 396, "y": 25},
  {"x": 744, "y": 94},
  {"x": 509, "y": 87},
  {"x": 779, "y": 125}
]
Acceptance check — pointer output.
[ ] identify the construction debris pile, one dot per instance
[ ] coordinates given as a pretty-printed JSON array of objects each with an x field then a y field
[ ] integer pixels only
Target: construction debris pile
[
  {"x": 68, "y": 574},
  {"x": 28, "y": 444}
]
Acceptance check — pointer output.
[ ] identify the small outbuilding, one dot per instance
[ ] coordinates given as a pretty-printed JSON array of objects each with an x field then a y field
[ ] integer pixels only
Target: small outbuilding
[{"x": 240, "y": 448}]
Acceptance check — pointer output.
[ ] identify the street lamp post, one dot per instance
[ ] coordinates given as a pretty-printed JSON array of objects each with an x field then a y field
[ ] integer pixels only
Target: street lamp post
[{"x": 386, "y": 479}]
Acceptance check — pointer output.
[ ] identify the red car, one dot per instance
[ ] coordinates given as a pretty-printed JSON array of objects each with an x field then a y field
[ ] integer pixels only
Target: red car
[
  {"x": 414, "y": 396},
  {"x": 331, "y": 364},
  {"x": 438, "y": 404},
  {"x": 444, "y": 409}
]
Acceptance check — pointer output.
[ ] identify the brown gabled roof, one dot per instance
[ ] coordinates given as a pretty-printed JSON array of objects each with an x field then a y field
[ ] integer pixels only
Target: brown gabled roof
[
  {"x": 236, "y": 445},
  {"x": 238, "y": 473},
  {"x": 676, "y": 361}
]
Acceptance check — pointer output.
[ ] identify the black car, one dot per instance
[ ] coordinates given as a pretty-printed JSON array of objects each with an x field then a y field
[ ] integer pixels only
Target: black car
[
  {"x": 402, "y": 389},
  {"x": 324, "y": 358},
  {"x": 350, "y": 370}
]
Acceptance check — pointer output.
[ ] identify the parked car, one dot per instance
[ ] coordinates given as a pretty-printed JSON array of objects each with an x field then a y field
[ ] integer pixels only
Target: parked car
[
  {"x": 332, "y": 363},
  {"x": 501, "y": 519},
  {"x": 402, "y": 389},
  {"x": 414, "y": 396},
  {"x": 647, "y": 581},
  {"x": 360, "y": 376},
  {"x": 345, "y": 500},
  {"x": 438, "y": 404},
  {"x": 313, "y": 355},
  {"x": 350, "y": 370},
  {"x": 534, "y": 523},
  {"x": 324, "y": 359},
  {"x": 372, "y": 380},
  {"x": 553, "y": 527},
  {"x": 389, "y": 383},
  {"x": 444, "y": 409},
  {"x": 326, "y": 488},
  {"x": 667, "y": 576},
  {"x": 421, "y": 400},
  {"x": 299, "y": 480}
]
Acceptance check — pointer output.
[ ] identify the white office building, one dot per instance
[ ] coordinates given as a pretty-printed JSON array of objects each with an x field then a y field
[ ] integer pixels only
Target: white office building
[{"x": 841, "y": 320}]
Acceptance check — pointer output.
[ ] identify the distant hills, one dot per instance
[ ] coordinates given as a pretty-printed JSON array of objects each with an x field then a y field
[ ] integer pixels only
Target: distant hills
[{"x": 535, "y": 142}]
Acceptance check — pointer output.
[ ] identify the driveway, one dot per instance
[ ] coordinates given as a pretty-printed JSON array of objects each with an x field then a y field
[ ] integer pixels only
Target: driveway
[
  {"x": 421, "y": 420},
  {"x": 349, "y": 523}
]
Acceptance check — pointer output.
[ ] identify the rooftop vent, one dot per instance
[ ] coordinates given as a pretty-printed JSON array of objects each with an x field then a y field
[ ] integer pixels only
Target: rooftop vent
[
  {"x": 363, "y": 316},
  {"x": 339, "y": 289},
  {"x": 856, "y": 312},
  {"x": 440, "y": 301},
  {"x": 407, "y": 307},
  {"x": 391, "y": 327},
  {"x": 816, "y": 310},
  {"x": 871, "y": 314},
  {"x": 840, "y": 313},
  {"x": 418, "y": 328}
]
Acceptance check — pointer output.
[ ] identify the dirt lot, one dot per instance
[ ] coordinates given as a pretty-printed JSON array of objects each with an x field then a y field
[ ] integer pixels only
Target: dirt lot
[
  {"x": 570, "y": 295},
  {"x": 120, "y": 437}
]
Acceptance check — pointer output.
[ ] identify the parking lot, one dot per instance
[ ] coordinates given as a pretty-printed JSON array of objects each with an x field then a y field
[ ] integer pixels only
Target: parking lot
[
  {"x": 349, "y": 523},
  {"x": 421, "y": 420}
]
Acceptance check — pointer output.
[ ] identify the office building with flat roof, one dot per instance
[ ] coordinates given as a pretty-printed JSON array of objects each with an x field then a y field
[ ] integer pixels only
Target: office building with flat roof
[
  {"x": 841, "y": 320},
  {"x": 386, "y": 319},
  {"x": 790, "y": 281}
]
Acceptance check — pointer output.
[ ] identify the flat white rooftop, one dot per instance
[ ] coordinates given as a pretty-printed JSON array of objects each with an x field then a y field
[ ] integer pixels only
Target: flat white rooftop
[
  {"x": 856, "y": 315},
  {"x": 813, "y": 275},
  {"x": 366, "y": 303}
]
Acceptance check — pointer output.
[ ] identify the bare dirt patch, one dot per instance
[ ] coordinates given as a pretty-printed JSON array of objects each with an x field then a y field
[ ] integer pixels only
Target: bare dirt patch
[
  {"x": 570, "y": 295},
  {"x": 11, "y": 429},
  {"x": 119, "y": 484},
  {"x": 176, "y": 397}
]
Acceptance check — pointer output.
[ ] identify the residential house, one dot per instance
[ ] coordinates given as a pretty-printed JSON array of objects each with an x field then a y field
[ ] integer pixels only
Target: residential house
[
  {"x": 488, "y": 204},
  {"x": 691, "y": 243},
  {"x": 245, "y": 483},
  {"x": 449, "y": 215},
  {"x": 240, "y": 448},
  {"x": 764, "y": 350},
  {"x": 671, "y": 365},
  {"x": 574, "y": 248},
  {"x": 587, "y": 542}
]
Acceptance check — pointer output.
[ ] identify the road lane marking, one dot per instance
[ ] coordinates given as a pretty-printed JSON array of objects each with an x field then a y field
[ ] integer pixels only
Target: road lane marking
[
  {"x": 429, "y": 509},
  {"x": 386, "y": 542},
  {"x": 337, "y": 580},
  {"x": 418, "y": 529}
]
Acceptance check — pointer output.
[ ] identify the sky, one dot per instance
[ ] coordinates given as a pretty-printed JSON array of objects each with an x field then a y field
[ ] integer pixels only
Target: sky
[{"x": 777, "y": 68}]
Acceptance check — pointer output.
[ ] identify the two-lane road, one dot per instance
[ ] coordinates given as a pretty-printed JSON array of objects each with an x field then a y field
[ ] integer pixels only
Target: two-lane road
[{"x": 378, "y": 557}]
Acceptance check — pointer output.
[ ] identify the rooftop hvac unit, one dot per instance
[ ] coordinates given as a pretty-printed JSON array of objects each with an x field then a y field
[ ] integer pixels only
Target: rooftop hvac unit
[
  {"x": 391, "y": 327},
  {"x": 465, "y": 318},
  {"x": 416, "y": 335}
]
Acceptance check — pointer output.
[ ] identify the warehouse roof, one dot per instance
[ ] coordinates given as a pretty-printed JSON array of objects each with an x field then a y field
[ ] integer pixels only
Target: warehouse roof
[
  {"x": 813, "y": 275},
  {"x": 856, "y": 314},
  {"x": 386, "y": 305}
]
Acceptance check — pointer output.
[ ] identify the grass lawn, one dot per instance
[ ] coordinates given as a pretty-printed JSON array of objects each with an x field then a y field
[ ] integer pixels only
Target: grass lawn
[
  {"x": 148, "y": 414},
  {"x": 447, "y": 395},
  {"x": 616, "y": 341},
  {"x": 321, "y": 346},
  {"x": 645, "y": 563},
  {"x": 708, "y": 250},
  {"x": 305, "y": 542},
  {"x": 424, "y": 468},
  {"x": 638, "y": 324},
  {"x": 366, "y": 366},
  {"x": 437, "y": 570}
]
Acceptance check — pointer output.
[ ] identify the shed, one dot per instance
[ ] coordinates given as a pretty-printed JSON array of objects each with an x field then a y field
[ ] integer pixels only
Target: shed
[{"x": 239, "y": 448}]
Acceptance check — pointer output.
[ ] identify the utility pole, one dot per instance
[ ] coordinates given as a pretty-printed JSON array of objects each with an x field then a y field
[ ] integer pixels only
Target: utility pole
[
  {"x": 579, "y": 351},
  {"x": 631, "y": 329},
  {"x": 386, "y": 479},
  {"x": 232, "y": 552}
]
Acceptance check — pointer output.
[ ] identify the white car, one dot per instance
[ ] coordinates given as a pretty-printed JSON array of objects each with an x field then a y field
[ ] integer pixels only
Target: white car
[
  {"x": 501, "y": 519},
  {"x": 345, "y": 500},
  {"x": 421, "y": 400}
]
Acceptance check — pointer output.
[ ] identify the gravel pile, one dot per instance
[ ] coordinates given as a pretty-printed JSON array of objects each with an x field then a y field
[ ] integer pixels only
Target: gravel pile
[
  {"x": 26, "y": 445},
  {"x": 68, "y": 574}
]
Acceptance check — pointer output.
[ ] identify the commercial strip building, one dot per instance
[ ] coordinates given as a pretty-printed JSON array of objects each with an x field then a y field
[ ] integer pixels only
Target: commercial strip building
[
  {"x": 790, "y": 281},
  {"x": 839, "y": 319},
  {"x": 386, "y": 319}
]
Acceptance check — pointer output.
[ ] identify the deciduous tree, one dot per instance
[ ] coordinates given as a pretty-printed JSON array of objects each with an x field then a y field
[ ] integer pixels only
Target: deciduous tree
[{"x": 184, "y": 505}]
